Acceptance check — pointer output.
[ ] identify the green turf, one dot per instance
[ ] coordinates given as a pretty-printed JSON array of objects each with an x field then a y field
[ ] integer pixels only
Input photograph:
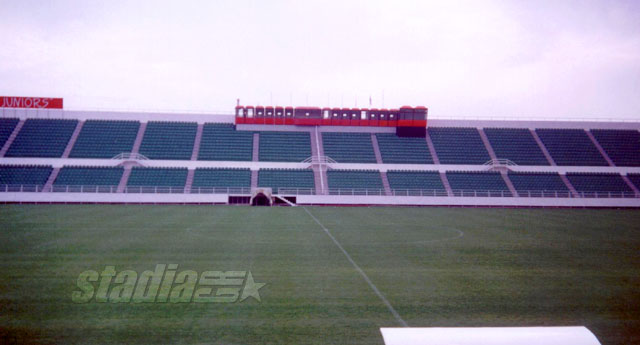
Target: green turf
[{"x": 512, "y": 267}]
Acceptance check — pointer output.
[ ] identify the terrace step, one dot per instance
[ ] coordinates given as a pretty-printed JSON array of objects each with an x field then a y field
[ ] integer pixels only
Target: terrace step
[
  {"x": 599, "y": 147},
  {"x": 255, "y": 155},
  {"x": 48, "y": 186},
  {"x": 486, "y": 143},
  {"x": 189, "y": 182},
  {"x": 319, "y": 181},
  {"x": 319, "y": 173},
  {"x": 630, "y": 184},
  {"x": 196, "y": 143},
  {"x": 385, "y": 181},
  {"x": 123, "y": 180},
  {"x": 542, "y": 147},
  {"x": 432, "y": 149},
  {"x": 566, "y": 181},
  {"x": 254, "y": 179},
  {"x": 376, "y": 150},
  {"x": 509, "y": 184},
  {"x": 136, "y": 144},
  {"x": 319, "y": 145},
  {"x": 445, "y": 183},
  {"x": 11, "y": 138},
  {"x": 72, "y": 141}
]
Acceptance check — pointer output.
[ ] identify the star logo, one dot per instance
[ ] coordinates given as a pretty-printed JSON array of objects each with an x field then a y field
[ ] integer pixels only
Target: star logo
[{"x": 251, "y": 289}]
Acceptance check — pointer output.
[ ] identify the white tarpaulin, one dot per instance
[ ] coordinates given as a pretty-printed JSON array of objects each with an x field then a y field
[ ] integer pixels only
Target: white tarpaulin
[{"x": 489, "y": 336}]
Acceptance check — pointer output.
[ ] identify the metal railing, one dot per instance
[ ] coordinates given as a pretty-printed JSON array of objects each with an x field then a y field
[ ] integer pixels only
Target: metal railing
[
  {"x": 221, "y": 190},
  {"x": 24, "y": 188},
  {"x": 130, "y": 156},
  {"x": 82, "y": 189},
  {"x": 500, "y": 162},
  {"x": 355, "y": 191},
  {"x": 319, "y": 160},
  {"x": 419, "y": 192},
  {"x": 294, "y": 191}
]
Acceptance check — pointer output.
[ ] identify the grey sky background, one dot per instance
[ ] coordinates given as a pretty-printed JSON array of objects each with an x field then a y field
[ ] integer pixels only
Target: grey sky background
[{"x": 459, "y": 58}]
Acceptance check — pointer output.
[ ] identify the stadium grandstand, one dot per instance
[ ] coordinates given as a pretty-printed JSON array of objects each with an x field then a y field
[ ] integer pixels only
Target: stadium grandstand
[
  {"x": 315, "y": 156},
  {"x": 434, "y": 271}
]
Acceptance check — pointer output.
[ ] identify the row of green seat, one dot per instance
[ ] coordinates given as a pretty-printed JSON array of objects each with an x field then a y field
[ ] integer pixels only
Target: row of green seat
[
  {"x": 284, "y": 146},
  {"x": 571, "y": 147},
  {"x": 523, "y": 182},
  {"x": 169, "y": 140},
  {"x": 403, "y": 150},
  {"x": 346, "y": 147},
  {"x": 105, "y": 139},
  {"x": 7, "y": 125},
  {"x": 36, "y": 175},
  {"x": 279, "y": 179},
  {"x": 453, "y": 145},
  {"x": 221, "y": 177},
  {"x": 222, "y": 142},
  {"x": 42, "y": 138},
  {"x": 622, "y": 146}
]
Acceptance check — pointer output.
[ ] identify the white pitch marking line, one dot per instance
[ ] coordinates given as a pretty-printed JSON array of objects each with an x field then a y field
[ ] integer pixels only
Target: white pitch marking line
[{"x": 364, "y": 275}]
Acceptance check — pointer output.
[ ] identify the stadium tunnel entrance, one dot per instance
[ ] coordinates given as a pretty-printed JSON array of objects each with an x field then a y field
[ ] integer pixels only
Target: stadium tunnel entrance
[{"x": 261, "y": 199}]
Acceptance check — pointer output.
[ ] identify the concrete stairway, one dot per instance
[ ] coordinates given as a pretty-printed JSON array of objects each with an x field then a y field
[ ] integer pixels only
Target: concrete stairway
[
  {"x": 314, "y": 143},
  {"x": 599, "y": 147},
  {"x": 432, "y": 149},
  {"x": 376, "y": 149},
  {"x": 509, "y": 184},
  {"x": 630, "y": 184},
  {"x": 48, "y": 186},
  {"x": 254, "y": 179},
  {"x": 385, "y": 183},
  {"x": 136, "y": 144},
  {"x": 256, "y": 147},
  {"x": 487, "y": 144},
  {"x": 189, "y": 182},
  {"x": 319, "y": 143},
  {"x": 11, "y": 138},
  {"x": 124, "y": 179},
  {"x": 569, "y": 185},
  {"x": 320, "y": 180},
  {"x": 445, "y": 182},
  {"x": 542, "y": 147},
  {"x": 319, "y": 174},
  {"x": 73, "y": 139},
  {"x": 196, "y": 143}
]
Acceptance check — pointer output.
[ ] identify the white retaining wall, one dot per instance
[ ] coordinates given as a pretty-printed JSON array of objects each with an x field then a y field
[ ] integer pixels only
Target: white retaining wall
[
  {"x": 336, "y": 200},
  {"x": 343, "y": 200},
  {"x": 113, "y": 198}
]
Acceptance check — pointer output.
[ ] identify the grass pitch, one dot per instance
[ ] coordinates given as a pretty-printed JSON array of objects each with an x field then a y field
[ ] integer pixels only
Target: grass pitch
[{"x": 436, "y": 267}]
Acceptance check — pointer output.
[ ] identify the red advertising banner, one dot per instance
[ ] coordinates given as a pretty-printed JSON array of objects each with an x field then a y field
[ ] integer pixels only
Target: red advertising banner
[{"x": 30, "y": 102}]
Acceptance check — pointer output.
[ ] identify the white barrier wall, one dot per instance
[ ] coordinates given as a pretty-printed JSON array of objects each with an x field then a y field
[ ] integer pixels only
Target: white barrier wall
[
  {"x": 111, "y": 198},
  {"x": 335, "y": 200},
  {"x": 343, "y": 200}
]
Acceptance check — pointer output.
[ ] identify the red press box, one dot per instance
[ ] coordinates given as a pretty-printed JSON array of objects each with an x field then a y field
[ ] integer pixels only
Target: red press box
[{"x": 30, "y": 102}]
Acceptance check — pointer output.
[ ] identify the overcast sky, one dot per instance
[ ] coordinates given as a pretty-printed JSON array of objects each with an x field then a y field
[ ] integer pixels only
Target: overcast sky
[{"x": 459, "y": 58}]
